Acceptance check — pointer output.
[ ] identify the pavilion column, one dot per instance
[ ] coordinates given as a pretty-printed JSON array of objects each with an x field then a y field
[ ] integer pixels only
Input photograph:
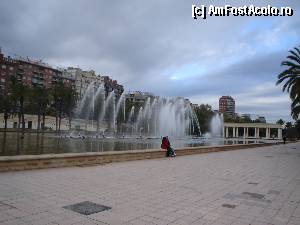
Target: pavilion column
[
  {"x": 223, "y": 134},
  {"x": 268, "y": 133},
  {"x": 255, "y": 132},
  {"x": 226, "y": 136},
  {"x": 244, "y": 132},
  {"x": 237, "y": 132},
  {"x": 279, "y": 133},
  {"x": 233, "y": 132}
]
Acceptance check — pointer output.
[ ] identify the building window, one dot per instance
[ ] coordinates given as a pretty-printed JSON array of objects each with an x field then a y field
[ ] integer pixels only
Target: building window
[
  {"x": 2, "y": 80},
  {"x": 3, "y": 66},
  {"x": 11, "y": 68}
]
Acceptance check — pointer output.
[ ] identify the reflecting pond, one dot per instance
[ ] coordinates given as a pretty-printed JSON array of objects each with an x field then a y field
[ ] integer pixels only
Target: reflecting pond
[{"x": 13, "y": 143}]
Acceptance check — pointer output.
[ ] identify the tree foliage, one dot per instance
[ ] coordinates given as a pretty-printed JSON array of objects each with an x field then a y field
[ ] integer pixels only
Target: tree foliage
[
  {"x": 290, "y": 78},
  {"x": 204, "y": 115},
  {"x": 59, "y": 101},
  {"x": 280, "y": 121}
]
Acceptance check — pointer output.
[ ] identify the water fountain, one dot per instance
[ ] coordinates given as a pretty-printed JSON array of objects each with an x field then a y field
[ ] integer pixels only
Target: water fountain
[
  {"x": 216, "y": 125},
  {"x": 156, "y": 117},
  {"x": 160, "y": 117},
  {"x": 141, "y": 126}
]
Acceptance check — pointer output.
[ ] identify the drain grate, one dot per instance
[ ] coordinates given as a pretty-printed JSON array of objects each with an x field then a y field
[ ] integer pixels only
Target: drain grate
[
  {"x": 269, "y": 156},
  {"x": 253, "y": 183},
  {"x": 87, "y": 208},
  {"x": 229, "y": 206},
  {"x": 252, "y": 198},
  {"x": 254, "y": 195}
]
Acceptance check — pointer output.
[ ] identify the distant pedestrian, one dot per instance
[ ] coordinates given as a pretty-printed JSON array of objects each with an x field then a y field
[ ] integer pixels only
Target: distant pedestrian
[
  {"x": 165, "y": 144},
  {"x": 284, "y": 139}
]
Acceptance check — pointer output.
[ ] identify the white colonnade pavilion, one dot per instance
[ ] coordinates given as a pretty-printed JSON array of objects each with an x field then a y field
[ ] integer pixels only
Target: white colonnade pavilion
[{"x": 252, "y": 130}]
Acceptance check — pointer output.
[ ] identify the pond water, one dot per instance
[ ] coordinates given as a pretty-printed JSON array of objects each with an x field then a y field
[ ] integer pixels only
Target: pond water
[{"x": 12, "y": 143}]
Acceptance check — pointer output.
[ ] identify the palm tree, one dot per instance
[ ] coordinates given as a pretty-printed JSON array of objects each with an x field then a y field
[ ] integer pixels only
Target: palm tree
[
  {"x": 19, "y": 94},
  {"x": 57, "y": 94},
  {"x": 64, "y": 99},
  {"x": 5, "y": 107},
  {"x": 40, "y": 98},
  {"x": 291, "y": 77},
  {"x": 69, "y": 99}
]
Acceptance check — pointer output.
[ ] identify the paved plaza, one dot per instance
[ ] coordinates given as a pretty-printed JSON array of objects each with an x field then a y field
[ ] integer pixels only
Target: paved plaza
[{"x": 253, "y": 186}]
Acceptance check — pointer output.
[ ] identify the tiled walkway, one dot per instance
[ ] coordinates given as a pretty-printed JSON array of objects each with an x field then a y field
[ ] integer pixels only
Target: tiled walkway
[{"x": 253, "y": 186}]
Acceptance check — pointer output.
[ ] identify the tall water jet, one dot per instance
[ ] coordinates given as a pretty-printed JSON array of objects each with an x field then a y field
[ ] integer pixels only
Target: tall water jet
[
  {"x": 106, "y": 105},
  {"x": 139, "y": 128},
  {"x": 120, "y": 101},
  {"x": 131, "y": 114},
  {"x": 147, "y": 114},
  {"x": 99, "y": 101},
  {"x": 85, "y": 101},
  {"x": 153, "y": 113},
  {"x": 216, "y": 125},
  {"x": 130, "y": 119}
]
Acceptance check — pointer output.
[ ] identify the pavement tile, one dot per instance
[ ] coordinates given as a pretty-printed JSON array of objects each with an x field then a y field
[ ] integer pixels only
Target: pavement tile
[{"x": 182, "y": 191}]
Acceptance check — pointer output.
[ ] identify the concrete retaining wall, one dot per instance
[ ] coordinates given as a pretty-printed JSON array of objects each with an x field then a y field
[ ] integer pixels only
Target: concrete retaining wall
[{"x": 28, "y": 162}]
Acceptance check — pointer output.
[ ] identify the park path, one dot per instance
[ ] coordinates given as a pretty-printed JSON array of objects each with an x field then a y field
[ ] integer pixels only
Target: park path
[{"x": 252, "y": 186}]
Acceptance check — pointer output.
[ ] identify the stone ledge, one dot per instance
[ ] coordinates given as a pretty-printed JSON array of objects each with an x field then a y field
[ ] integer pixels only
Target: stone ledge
[{"x": 28, "y": 162}]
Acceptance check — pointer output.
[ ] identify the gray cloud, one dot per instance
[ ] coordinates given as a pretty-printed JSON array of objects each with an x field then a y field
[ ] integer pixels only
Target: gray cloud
[{"x": 144, "y": 44}]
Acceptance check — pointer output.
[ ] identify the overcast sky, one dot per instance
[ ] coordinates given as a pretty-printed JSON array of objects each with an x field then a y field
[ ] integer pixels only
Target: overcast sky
[{"x": 157, "y": 46}]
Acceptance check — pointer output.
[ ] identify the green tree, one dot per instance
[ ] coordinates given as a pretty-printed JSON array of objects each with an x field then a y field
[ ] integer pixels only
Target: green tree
[
  {"x": 57, "y": 94},
  {"x": 288, "y": 125},
  {"x": 245, "y": 119},
  {"x": 257, "y": 121},
  {"x": 64, "y": 100},
  {"x": 19, "y": 93},
  {"x": 204, "y": 115},
  {"x": 229, "y": 119},
  {"x": 291, "y": 77},
  {"x": 40, "y": 100},
  {"x": 5, "y": 107},
  {"x": 69, "y": 102},
  {"x": 280, "y": 121}
]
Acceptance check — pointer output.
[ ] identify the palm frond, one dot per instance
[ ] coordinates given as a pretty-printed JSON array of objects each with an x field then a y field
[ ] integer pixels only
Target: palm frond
[
  {"x": 295, "y": 53},
  {"x": 290, "y": 83},
  {"x": 297, "y": 50},
  {"x": 285, "y": 74},
  {"x": 295, "y": 112},
  {"x": 295, "y": 102},
  {"x": 290, "y": 64},
  {"x": 295, "y": 89},
  {"x": 294, "y": 58}
]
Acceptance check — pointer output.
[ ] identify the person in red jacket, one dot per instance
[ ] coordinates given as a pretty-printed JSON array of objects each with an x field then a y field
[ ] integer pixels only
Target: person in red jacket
[{"x": 165, "y": 144}]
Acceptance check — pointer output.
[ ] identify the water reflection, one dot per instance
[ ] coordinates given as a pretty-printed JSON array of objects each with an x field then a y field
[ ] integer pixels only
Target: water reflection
[{"x": 12, "y": 143}]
